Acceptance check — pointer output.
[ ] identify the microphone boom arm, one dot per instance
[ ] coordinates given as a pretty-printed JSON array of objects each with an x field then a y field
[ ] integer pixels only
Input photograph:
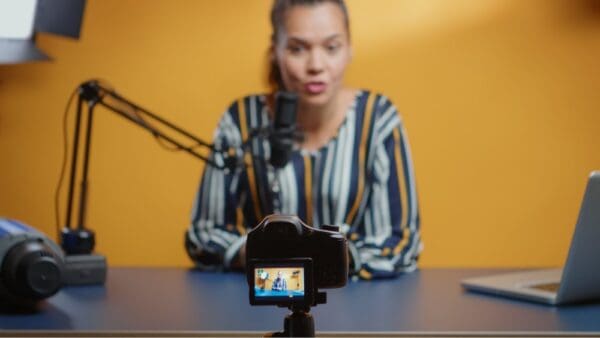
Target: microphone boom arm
[
  {"x": 94, "y": 93},
  {"x": 81, "y": 240}
]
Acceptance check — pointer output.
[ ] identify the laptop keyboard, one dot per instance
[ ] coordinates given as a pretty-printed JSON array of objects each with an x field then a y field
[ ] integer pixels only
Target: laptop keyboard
[{"x": 552, "y": 287}]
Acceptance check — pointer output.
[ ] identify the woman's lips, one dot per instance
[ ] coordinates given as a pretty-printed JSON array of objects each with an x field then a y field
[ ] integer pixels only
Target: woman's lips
[{"x": 315, "y": 87}]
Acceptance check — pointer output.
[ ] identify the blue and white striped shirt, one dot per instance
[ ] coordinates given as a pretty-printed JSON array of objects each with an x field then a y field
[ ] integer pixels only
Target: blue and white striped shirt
[{"x": 362, "y": 180}]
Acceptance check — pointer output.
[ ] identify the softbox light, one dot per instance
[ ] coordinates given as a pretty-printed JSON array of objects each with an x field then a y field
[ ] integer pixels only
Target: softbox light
[{"x": 20, "y": 20}]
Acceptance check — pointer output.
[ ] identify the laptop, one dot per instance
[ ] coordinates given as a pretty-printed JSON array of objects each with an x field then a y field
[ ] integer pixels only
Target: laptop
[{"x": 578, "y": 281}]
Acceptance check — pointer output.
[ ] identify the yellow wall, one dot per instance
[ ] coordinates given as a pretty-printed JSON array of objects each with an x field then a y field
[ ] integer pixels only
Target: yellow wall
[{"x": 500, "y": 98}]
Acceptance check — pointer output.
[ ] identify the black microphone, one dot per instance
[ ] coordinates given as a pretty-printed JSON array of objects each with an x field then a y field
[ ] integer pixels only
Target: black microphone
[{"x": 283, "y": 134}]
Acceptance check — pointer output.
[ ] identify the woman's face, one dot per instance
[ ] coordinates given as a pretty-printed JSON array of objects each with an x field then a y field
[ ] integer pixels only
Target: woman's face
[{"x": 313, "y": 52}]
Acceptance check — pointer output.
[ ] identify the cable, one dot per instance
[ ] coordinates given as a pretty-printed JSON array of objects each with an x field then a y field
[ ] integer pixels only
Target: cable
[
  {"x": 155, "y": 132},
  {"x": 64, "y": 164},
  {"x": 138, "y": 115},
  {"x": 140, "y": 119}
]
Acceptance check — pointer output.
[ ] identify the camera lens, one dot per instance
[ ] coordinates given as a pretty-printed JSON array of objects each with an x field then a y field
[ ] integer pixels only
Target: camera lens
[
  {"x": 41, "y": 275},
  {"x": 30, "y": 270}
]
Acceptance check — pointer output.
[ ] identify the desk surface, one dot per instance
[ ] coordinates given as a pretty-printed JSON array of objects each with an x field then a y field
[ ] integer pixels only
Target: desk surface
[{"x": 180, "y": 300}]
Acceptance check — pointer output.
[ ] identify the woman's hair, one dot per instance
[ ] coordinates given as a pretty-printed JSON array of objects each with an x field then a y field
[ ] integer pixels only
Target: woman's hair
[{"x": 277, "y": 23}]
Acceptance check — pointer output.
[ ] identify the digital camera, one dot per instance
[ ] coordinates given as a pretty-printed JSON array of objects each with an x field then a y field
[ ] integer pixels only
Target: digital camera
[{"x": 288, "y": 261}]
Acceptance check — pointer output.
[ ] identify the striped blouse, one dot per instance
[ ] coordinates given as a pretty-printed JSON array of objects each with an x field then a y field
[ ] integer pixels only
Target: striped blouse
[{"x": 362, "y": 180}]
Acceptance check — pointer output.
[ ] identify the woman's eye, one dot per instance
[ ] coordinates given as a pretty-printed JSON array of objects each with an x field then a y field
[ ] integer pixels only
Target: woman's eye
[
  {"x": 333, "y": 48},
  {"x": 295, "y": 49}
]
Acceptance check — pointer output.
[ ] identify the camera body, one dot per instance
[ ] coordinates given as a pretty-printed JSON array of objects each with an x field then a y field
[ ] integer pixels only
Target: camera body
[{"x": 283, "y": 248}]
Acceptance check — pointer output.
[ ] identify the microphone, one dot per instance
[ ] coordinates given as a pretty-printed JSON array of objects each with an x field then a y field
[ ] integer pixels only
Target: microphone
[{"x": 283, "y": 134}]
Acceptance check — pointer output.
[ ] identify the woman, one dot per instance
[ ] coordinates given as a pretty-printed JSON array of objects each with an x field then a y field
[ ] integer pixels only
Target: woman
[{"x": 353, "y": 168}]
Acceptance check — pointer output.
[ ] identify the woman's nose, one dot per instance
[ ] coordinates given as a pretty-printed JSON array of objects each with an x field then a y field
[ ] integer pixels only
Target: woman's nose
[{"x": 315, "y": 62}]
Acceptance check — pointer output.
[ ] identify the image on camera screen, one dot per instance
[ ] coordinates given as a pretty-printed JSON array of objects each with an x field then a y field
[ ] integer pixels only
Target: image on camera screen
[{"x": 279, "y": 283}]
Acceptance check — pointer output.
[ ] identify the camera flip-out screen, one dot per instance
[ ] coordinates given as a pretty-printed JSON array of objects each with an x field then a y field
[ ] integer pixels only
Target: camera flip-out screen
[{"x": 281, "y": 282}]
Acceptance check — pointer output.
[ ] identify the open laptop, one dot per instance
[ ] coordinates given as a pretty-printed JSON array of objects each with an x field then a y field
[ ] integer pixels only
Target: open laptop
[{"x": 578, "y": 281}]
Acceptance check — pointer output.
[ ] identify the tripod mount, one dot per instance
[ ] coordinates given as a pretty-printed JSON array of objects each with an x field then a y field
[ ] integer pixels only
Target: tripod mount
[{"x": 299, "y": 322}]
